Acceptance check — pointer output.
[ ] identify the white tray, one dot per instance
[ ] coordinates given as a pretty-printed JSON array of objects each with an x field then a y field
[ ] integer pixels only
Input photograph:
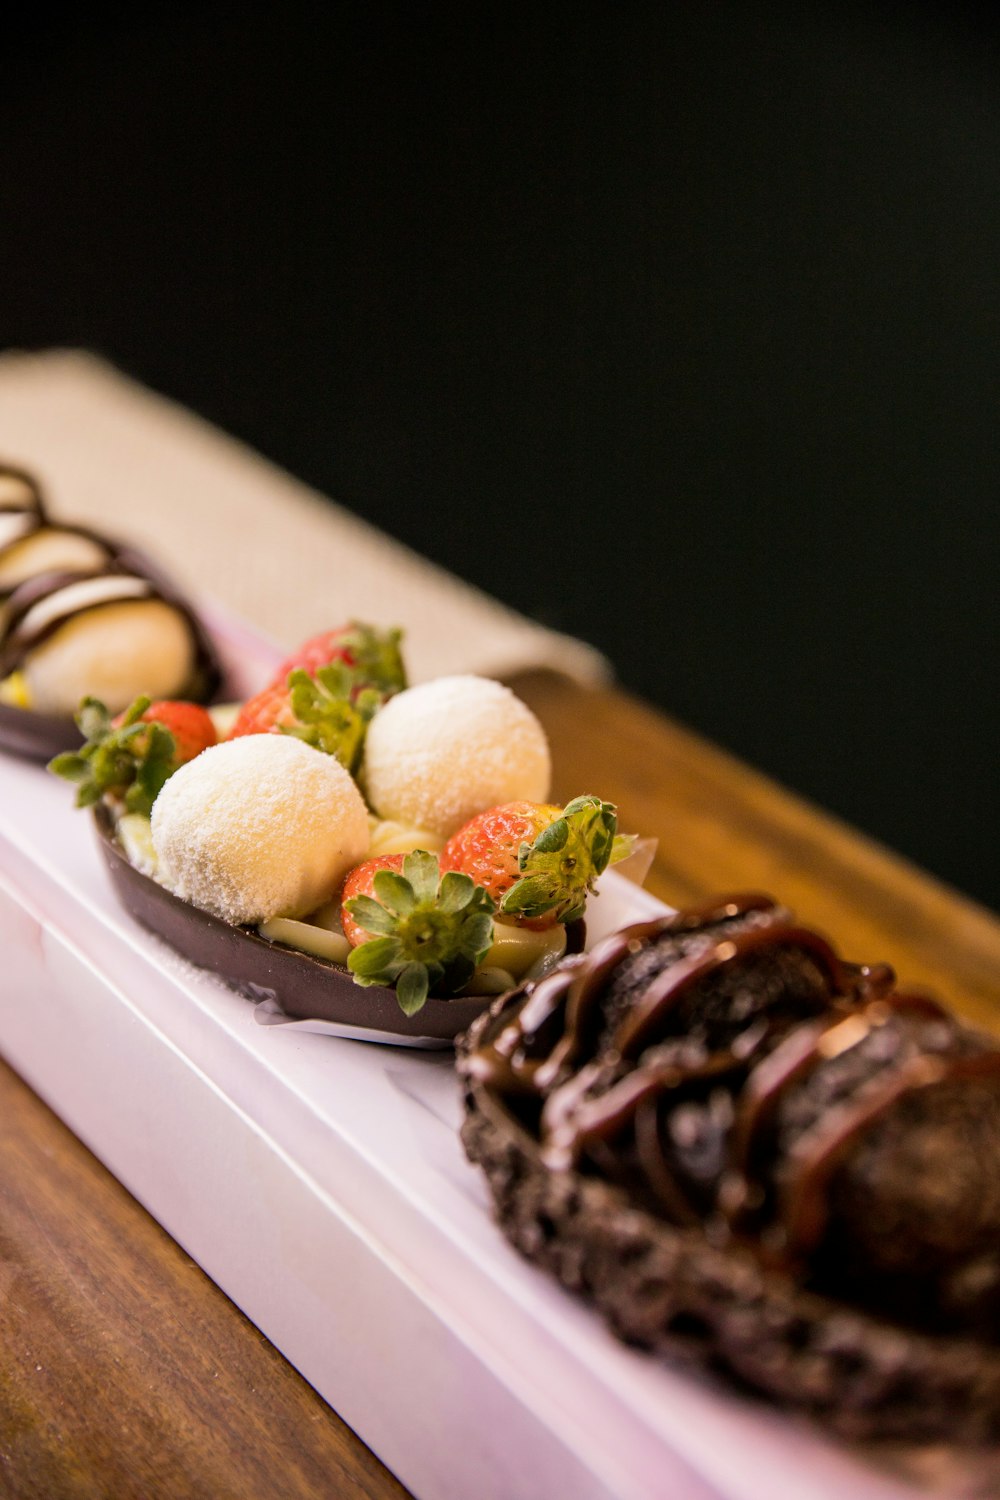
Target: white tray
[{"x": 321, "y": 1183}]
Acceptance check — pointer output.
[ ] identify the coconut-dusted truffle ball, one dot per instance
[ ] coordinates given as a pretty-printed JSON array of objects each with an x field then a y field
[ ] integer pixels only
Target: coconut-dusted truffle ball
[
  {"x": 440, "y": 752},
  {"x": 258, "y": 827}
]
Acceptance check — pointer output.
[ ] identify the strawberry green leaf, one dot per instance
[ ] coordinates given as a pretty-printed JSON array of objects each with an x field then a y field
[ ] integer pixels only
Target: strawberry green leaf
[
  {"x": 420, "y": 868},
  {"x": 378, "y": 662},
  {"x": 326, "y": 717},
  {"x": 412, "y": 987},
  {"x": 623, "y": 845},
  {"x": 375, "y": 960},
  {"x": 394, "y": 892},
  {"x": 553, "y": 838},
  {"x": 429, "y": 931},
  {"x": 455, "y": 891},
  {"x": 129, "y": 761},
  {"x": 372, "y": 915},
  {"x": 559, "y": 869}
]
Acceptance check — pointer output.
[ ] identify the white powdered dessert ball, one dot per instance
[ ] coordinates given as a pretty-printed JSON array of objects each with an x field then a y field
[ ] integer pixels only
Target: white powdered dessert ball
[
  {"x": 443, "y": 751},
  {"x": 258, "y": 827}
]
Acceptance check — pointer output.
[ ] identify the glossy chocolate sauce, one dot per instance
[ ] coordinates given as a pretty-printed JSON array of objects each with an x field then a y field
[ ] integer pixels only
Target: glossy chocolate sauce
[{"x": 604, "y": 1102}]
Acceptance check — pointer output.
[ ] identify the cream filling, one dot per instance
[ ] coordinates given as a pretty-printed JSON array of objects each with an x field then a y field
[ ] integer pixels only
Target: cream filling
[
  {"x": 75, "y": 597},
  {"x": 114, "y": 652},
  {"x": 49, "y": 550}
]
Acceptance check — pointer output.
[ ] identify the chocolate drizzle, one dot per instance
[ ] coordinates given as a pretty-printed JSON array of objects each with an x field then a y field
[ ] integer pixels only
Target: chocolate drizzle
[
  {"x": 19, "y": 638},
  {"x": 738, "y": 1145},
  {"x": 20, "y": 491},
  {"x": 777, "y": 1108},
  {"x": 104, "y": 551}
]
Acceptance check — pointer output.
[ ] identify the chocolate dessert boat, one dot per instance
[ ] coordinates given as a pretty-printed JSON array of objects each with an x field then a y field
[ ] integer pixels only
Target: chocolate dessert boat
[
  {"x": 744, "y": 1150},
  {"x": 303, "y": 986}
]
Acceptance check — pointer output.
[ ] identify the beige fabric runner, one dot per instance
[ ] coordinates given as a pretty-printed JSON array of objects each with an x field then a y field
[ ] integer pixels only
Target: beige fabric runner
[{"x": 231, "y": 527}]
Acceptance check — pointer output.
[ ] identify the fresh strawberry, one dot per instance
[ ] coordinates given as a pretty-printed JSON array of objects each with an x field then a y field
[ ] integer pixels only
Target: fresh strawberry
[
  {"x": 412, "y": 927},
  {"x": 268, "y": 710},
  {"x": 536, "y": 860},
  {"x": 129, "y": 757},
  {"x": 373, "y": 658},
  {"x": 190, "y": 724},
  {"x": 361, "y": 882},
  {"x": 323, "y": 709},
  {"x": 487, "y": 848}
]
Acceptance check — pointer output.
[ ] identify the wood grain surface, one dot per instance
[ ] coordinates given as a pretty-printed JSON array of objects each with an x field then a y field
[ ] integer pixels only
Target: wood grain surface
[{"x": 124, "y": 1372}]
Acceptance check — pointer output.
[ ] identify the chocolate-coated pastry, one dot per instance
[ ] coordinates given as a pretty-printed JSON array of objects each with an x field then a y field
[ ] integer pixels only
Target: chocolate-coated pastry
[
  {"x": 743, "y": 1147},
  {"x": 20, "y": 491},
  {"x": 22, "y": 508},
  {"x": 110, "y": 633}
]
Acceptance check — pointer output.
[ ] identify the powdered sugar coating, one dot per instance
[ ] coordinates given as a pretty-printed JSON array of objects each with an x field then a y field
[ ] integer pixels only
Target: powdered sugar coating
[
  {"x": 258, "y": 827},
  {"x": 441, "y": 752}
]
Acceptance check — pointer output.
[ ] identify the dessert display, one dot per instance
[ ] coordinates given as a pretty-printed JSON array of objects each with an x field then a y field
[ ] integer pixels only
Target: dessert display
[
  {"x": 740, "y": 1147},
  {"x": 83, "y": 616},
  {"x": 338, "y": 843},
  {"x": 749, "y": 1152}
]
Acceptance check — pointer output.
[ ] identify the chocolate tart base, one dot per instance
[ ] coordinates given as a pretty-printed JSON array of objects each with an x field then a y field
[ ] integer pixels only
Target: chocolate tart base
[
  {"x": 306, "y": 988},
  {"x": 668, "y": 1290}
]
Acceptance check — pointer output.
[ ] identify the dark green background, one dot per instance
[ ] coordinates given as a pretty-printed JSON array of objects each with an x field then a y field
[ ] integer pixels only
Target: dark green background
[{"x": 676, "y": 326}]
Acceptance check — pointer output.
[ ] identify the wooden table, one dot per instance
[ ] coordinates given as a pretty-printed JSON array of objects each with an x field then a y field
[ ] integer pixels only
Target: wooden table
[{"x": 124, "y": 1372}]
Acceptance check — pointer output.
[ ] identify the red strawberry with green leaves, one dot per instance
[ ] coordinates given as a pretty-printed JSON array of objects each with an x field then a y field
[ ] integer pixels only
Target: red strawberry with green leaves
[
  {"x": 361, "y": 882},
  {"x": 190, "y": 724},
  {"x": 413, "y": 928},
  {"x": 373, "y": 657},
  {"x": 325, "y": 709},
  {"x": 130, "y": 756},
  {"x": 538, "y": 861}
]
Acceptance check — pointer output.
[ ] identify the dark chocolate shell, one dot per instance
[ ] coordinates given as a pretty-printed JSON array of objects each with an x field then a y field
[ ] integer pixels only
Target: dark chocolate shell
[
  {"x": 305, "y": 987},
  {"x": 730, "y": 1141}
]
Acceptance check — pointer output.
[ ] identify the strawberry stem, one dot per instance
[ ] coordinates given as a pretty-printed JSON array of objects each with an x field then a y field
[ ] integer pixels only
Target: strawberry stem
[
  {"x": 129, "y": 760},
  {"x": 559, "y": 869},
  {"x": 429, "y": 931}
]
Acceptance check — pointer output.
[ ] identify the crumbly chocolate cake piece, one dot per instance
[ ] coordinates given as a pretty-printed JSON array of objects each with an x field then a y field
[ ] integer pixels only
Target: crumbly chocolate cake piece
[{"x": 738, "y": 1145}]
